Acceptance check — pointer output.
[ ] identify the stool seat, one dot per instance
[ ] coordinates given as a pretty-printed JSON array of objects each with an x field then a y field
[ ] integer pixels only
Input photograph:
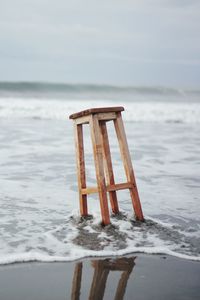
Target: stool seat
[
  {"x": 97, "y": 119},
  {"x": 90, "y": 111}
]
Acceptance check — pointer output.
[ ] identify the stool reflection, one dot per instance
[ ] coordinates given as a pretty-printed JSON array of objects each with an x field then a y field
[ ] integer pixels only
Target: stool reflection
[{"x": 101, "y": 272}]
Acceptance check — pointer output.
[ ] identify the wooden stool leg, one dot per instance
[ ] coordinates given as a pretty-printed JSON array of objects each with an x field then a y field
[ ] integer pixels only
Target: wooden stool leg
[
  {"x": 98, "y": 285},
  {"x": 80, "y": 168},
  {"x": 108, "y": 166},
  {"x": 76, "y": 283},
  {"x": 98, "y": 159},
  {"x": 121, "y": 289},
  {"x": 126, "y": 158}
]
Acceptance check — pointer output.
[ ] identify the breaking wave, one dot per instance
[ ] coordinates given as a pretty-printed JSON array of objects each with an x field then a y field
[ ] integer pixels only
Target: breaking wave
[{"x": 56, "y": 109}]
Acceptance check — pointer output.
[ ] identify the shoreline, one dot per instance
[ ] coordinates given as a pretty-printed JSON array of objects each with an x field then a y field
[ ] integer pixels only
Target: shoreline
[
  {"x": 143, "y": 275},
  {"x": 39, "y": 258}
]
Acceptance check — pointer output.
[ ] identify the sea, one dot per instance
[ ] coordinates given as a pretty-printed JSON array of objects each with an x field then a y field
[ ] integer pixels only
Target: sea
[{"x": 39, "y": 201}]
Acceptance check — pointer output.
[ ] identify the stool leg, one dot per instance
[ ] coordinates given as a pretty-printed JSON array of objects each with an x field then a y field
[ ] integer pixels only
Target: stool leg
[
  {"x": 80, "y": 168},
  {"x": 119, "y": 127},
  {"x": 76, "y": 283},
  {"x": 108, "y": 166},
  {"x": 98, "y": 159},
  {"x": 121, "y": 289},
  {"x": 98, "y": 285}
]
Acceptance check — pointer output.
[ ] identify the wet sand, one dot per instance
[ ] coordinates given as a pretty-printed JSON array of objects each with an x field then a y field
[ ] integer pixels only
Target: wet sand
[{"x": 129, "y": 277}]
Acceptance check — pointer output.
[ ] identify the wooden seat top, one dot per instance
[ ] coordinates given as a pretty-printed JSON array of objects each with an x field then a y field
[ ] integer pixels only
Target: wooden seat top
[{"x": 96, "y": 111}]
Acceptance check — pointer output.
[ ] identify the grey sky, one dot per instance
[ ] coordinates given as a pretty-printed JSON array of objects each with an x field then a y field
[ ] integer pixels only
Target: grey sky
[{"x": 152, "y": 42}]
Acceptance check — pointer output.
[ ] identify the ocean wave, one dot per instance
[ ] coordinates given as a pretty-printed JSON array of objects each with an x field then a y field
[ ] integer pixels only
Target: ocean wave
[
  {"x": 24, "y": 89},
  {"x": 56, "y": 109}
]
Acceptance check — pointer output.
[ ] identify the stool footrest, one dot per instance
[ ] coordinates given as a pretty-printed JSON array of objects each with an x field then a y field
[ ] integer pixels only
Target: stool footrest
[
  {"x": 89, "y": 190},
  {"x": 119, "y": 186},
  {"x": 109, "y": 188}
]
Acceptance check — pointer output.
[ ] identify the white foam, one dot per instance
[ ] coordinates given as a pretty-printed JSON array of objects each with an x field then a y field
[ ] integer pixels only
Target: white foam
[
  {"x": 144, "y": 111},
  {"x": 60, "y": 242},
  {"x": 80, "y": 254}
]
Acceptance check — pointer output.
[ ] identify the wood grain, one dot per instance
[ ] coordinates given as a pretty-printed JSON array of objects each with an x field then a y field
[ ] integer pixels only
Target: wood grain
[
  {"x": 95, "y": 111},
  {"x": 80, "y": 162},
  {"x": 126, "y": 158},
  {"x": 98, "y": 159},
  {"x": 108, "y": 167},
  {"x": 76, "y": 283}
]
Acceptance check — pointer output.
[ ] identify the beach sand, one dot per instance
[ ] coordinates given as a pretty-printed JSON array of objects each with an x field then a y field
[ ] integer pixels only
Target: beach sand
[{"x": 129, "y": 277}]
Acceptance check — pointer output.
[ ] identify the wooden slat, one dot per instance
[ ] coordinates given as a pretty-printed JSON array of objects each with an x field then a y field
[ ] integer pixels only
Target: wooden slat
[
  {"x": 109, "y": 188},
  {"x": 119, "y": 186},
  {"x": 89, "y": 190},
  {"x": 121, "y": 264},
  {"x": 126, "y": 158},
  {"x": 106, "y": 116},
  {"x": 96, "y": 111},
  {"x": 82, "y": 120},
  {"x": 80, "y": 162},
  {"x": 108, "y": 167},
  {"x": 98, "y": 159}
]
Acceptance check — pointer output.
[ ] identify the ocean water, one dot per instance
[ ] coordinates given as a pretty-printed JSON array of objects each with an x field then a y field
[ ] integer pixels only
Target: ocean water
[{"x": 39, "y": 215}]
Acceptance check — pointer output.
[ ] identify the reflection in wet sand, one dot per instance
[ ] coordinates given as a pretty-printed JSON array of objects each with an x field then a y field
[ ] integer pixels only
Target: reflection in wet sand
[{"x": 101, "y": 272}]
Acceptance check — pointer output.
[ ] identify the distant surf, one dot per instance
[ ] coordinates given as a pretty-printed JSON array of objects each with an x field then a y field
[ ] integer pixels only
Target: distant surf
[
  {"x": 146, "y": 110},
  {"x": 61, "y": 90}
]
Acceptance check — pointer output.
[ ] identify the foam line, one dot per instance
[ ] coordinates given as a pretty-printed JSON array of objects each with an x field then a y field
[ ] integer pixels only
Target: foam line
[{"x": 38, "y": 257}]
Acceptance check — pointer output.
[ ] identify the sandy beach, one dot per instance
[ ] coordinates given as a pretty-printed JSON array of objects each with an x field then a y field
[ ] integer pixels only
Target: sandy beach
[{"x": 129, "y": 277}]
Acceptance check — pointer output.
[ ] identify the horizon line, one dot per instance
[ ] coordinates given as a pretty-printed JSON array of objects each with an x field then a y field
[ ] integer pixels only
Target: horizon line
[{"x": 122, "y": 86}]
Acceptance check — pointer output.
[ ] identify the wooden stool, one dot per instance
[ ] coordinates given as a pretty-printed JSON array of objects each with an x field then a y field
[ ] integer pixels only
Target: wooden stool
[
  {"x": 101, "y": 272},
  {"x": 97, "y": 118}
]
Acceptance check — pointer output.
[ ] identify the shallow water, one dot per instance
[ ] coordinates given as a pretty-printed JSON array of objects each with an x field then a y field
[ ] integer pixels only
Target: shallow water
[
  {"x": 39, "y": 217},
  {"x": 146, "y": 277}
]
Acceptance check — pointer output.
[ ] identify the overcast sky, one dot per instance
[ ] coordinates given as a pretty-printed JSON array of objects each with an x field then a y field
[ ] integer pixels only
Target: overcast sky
[{"x": 126, "y": 42}]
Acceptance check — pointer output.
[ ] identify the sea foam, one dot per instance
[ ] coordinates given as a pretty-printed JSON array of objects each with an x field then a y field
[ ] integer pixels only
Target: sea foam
[
  {"x": 70, "y": 250},
  {"x": 136, "y": 111}
]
